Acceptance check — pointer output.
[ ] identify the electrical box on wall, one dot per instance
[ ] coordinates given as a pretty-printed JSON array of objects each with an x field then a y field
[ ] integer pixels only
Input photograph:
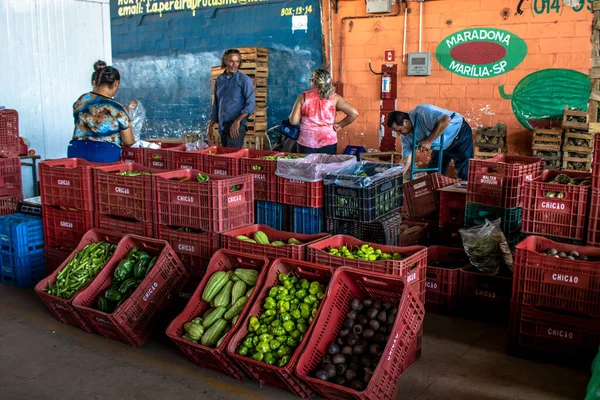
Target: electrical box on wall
[
  {"x": 419, "y": 64},
  {"x": 379, "y": 6}
]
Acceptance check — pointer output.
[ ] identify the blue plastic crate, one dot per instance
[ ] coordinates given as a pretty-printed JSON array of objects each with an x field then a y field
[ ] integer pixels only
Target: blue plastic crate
[
  {"x": 21, "y": 234},
  {"x": 22, "y": 271},
  {"x": 308, "y": 220},
  {"x": 269, "y": 213}
]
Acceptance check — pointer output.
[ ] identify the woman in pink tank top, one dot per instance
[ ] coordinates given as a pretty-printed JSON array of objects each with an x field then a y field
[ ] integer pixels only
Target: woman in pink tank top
[{"x": 315, "y": 112}]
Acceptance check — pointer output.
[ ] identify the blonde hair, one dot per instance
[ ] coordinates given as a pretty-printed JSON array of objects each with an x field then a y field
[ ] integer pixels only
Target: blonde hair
[{"x": 322, "y": 80}]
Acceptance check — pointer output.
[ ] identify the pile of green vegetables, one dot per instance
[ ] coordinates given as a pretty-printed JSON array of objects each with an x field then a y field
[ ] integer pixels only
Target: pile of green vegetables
[
  {"x": 227, "y": 292},
  {"x": 130, "y": 272},
  {"x": 288, "y": 311},
  {"x": 286, "y": 157},
  {"x": 563, "y": 179},
  {"x": 364, "y": 252},
  {"x": 81, "y": 269},
  {"x": 134, "y": 173}
]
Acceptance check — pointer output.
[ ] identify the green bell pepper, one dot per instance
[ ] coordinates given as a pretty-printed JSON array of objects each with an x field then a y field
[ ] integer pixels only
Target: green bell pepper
[
  {"x": 270, "y": 304},
  {"x": 288, "y": 326},
  {"x": 253, "y": 324}
]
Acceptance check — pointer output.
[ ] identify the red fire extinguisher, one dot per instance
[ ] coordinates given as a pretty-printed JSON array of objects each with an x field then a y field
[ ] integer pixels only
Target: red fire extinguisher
[{"x": 386, "y": 85}]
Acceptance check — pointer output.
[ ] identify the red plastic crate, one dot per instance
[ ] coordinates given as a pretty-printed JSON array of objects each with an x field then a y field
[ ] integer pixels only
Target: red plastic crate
[
  {"x": 207, "y": 357},
  {"x": 9, "y": 204},
  {"x": 484, "y": 296},
  {"x": 9, "y": 133},
  {"x": 182, "y": 159},
  {"x": 593, "y": 233},
  {"x": 295, "y": 252},
  {"x": 556, "y": 283},
  {"x": 54, "y": 258},
  {"x": 63, "y": 309},
  {"x": 223, "y": 160},
  {"x": 421, "y": 194},
  {"x": 413, "y": 267},
  {"x": 132, "y": 321},
  {"x": 452, "y": 209},
  {"x": 412, "y": 239},
  {"x": 194, "y": 249},
  {"x": 265, "y": 374},
  {"x": 596, "y": 166},
  {"x": 161, "y": 158},
  {"x": 263, "y": 171},
  {"x": 347, "y": 284},
  {"x": 132, "y": 155},
  {"x": 10, "y": 176},
  {"x": 209, "y": 206},
  {"x": 442, "y": 282},
  {"x": 559, "y": 217},
  {"x": 553, "y": 337},
  {"x": 124, "y": 196},
  {"x": 124, "y": 226},
  {"x": 63, "y": 228},
  {"x": 499, "y": 181},
  {"x": 68, "y": 182},
  {"x": 299, "y": 193}
]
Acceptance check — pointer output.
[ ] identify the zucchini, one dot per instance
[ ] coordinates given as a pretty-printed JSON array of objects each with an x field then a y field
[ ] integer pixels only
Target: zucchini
[
  {"x": 212, "y": 335},
  {"x": 236, "y": 308},
  {"x": 250, "y": 276},
  {"x": 214, "y": 285},
  {"x": 238, "y": 290},
  {"x": 224, "y": 296},
  {"x": 213, "y": 317}
]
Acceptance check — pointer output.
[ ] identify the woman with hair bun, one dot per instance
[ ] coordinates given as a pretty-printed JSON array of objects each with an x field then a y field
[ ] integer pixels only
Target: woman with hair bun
[
  {"x": 102, "y": 125},
  {"x": 315, "y": 112}
]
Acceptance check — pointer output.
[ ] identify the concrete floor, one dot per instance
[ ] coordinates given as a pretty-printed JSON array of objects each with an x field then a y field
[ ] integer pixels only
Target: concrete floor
[{"x": 44, "y": 359}]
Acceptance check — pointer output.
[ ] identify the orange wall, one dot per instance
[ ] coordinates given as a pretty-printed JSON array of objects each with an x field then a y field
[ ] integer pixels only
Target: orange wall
[{"x": 554, "y": 40}]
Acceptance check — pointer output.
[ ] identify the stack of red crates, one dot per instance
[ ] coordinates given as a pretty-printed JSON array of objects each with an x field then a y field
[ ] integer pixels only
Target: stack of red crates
[
  {"x": 67, "y": 193},
  {"x": 593, "y": 231},
  {"x": 189, "y": 214},
  {"x": 123, "y": 202},
  {"x": 11, "y": 190},
  {"x": 555, "y": 305}
]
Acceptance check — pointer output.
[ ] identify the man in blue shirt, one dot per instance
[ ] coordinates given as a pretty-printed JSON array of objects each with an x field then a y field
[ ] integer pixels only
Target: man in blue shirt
[
  {"x": 429, "y": 123},
  {"x": 234, "y": 101}
]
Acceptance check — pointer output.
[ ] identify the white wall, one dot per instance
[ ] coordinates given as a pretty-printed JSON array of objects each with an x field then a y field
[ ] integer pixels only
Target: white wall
[{"x": 47, "y": 50}]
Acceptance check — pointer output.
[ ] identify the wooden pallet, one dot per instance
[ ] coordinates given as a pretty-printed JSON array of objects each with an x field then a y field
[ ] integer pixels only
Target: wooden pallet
[
  {"x": 390, "y": 157},
  {"x": 547, "y": 139},
  {"x": 575, "y": 119},
  {"x": 256, "y": 142},
  {"x": 578, "y": 142}
]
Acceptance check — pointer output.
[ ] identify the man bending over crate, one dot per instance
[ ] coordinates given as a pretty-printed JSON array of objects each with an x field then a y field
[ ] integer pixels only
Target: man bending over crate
[
  {"x": 234, "y": 101},
  {"x": 431, "y": 123}
]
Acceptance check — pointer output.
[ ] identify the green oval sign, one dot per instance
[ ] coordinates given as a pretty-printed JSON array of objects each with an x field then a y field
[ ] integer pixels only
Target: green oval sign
[{"x": 481, "y": 52}]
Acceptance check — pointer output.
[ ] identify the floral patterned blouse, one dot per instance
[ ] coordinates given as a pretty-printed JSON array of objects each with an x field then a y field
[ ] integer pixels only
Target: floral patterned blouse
[{"x": 99, "y": 118}]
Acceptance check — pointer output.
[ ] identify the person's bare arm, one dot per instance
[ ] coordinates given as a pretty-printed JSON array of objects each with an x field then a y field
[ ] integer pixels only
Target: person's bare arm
[
  {"x": 296, "y": 114},
  {"x": 344, "y": 106},
  {"x": 127, "y": 138},
  {"x": 439, "y": 128}
]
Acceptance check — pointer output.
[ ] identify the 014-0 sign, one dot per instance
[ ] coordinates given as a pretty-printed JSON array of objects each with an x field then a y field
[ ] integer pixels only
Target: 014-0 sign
[{"x": 481, "y": 52}]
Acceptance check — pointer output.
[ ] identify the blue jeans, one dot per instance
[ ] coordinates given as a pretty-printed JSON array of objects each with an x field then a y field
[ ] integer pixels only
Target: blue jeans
[
  {"x": 228, "y": 141},
  {"x": 94, "y": 151},
  {"x": 461, "y": 151}
]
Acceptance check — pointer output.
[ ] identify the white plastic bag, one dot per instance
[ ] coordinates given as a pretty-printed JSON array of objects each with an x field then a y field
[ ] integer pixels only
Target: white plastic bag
[{"x": 312, "y": 167}]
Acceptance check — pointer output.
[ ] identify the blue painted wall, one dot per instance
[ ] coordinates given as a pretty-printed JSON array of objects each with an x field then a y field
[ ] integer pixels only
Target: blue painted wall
[{"x": 165, "y": 61}]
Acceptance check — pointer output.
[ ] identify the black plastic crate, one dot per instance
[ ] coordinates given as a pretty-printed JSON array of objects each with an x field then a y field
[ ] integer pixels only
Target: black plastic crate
[
  {"x": 383, "y": 231},
  {"x": 354, "y": 196}
]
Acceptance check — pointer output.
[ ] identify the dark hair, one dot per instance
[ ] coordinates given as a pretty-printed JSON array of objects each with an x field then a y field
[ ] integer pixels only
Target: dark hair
[
  {"x": 104, "y": 75},
  {"x": 397, "y": 117},
  {"x": 228, "y": 52}
]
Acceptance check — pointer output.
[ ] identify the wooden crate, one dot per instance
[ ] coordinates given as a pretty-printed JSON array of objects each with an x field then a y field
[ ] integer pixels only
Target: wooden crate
[
  {"x": 552, "y": 159},
  {"x": 547, "y": 139},
  {"x": 484, "y": 154},
  {"x": 256, "y": 142},
  {"x": 390, "y": 157},
  {"x": 581, "y": 163},
  {"x": 575, "y": 119},
  {"x": 578, "y": 142}
]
